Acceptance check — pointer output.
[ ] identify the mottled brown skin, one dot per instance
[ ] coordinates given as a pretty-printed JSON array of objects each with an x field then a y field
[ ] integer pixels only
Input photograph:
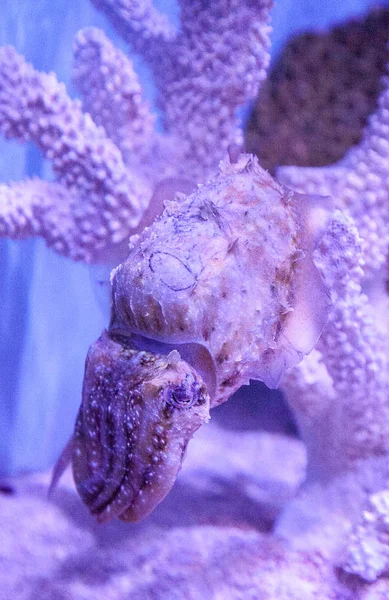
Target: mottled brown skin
[
  {"x": 221, "y": 288},
  {"x": 139, "y": 410}
]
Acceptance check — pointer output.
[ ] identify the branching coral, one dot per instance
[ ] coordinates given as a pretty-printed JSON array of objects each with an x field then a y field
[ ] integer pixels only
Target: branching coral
[
  {"x": 114, "y": 170},
  {"x": 339, "y": 395},
  {"x": 111, "y": 93},
  {"x": 204, "y": 72},
  {"x": 109, "y": 160},
  {"x": 96, "y": 198},
  {"x": 341, "y": 401}
]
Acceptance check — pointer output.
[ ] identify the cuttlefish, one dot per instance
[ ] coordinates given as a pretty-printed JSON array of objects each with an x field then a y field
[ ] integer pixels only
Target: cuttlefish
[{"x": 220, "y": 289}]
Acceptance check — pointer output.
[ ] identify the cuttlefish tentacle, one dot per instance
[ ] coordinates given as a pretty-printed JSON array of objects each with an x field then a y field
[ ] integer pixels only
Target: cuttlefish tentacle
[{"x": 139, "y": 410}]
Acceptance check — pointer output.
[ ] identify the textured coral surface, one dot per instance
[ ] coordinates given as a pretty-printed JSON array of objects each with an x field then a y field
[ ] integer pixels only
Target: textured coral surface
[
  {"x": 319, "y": 93},
  {"x": 107, "y": 157}
]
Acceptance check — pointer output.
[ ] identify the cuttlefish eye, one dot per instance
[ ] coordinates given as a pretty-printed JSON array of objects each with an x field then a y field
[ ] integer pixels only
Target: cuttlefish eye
[
  {"x": 139, "y": 410},
  {"x": 185, "y": 395}
]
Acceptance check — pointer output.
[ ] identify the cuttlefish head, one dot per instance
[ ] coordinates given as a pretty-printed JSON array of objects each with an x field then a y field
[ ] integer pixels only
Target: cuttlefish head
[{"x": 139, "y": 411}]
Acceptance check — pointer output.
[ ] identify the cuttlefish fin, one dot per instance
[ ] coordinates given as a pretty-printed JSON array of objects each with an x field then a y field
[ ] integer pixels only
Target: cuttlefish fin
[{"x": 304, "y": 324}]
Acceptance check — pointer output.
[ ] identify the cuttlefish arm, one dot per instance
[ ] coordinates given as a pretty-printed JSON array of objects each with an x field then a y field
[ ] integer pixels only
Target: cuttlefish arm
[{"x": 138, "y": 412}]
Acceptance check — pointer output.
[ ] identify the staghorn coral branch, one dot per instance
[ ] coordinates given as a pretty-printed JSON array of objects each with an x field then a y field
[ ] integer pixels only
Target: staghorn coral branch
[
  {"x": 334, "y": 389},
  {"x": 340, "y": 394},
  {"x": 309, "y": 389},
  {"x": 226, "y": 40},
  {"x": 348, "y": 435},
  {"x": 353, "y": 349},
  {"x": 47, "y": 209},
  {"x": 141, "y": 25},
  {"x": 36, "y": 207},
  {"x": 206, "y": 71},
  {"x": 358, "y": 183},
  {"x": 219, "y": 59},
  {"x": 21, "y": 205},
  {"x": 105, "y": 200},
  {"x": 111, "y": 92}
]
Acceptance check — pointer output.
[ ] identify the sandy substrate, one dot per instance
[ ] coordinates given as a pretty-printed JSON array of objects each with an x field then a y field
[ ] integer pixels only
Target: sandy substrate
[{"x": 209, "y": 539}]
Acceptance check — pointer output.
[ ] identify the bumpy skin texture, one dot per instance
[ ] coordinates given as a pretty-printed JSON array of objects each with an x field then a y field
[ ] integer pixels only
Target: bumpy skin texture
[
  {"x": 138, "y": 412},
  {"x": 225, "y": 269},
  {"x": 221, "y": 279}
]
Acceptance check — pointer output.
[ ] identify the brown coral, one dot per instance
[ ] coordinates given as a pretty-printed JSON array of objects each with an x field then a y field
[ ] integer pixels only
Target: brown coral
[{"x": 319, "y": 94}]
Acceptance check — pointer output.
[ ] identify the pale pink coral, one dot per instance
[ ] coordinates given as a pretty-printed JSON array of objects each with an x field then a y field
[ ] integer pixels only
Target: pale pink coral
[
  {"x": 111, "y": 92},
  {"x": 110, "y": 161},
  {"x": 96, "y": 199},
  {"x": 368, "y": 552},
  {"x": 203, "y": 72},
  {"x": 340, "y": 393}
]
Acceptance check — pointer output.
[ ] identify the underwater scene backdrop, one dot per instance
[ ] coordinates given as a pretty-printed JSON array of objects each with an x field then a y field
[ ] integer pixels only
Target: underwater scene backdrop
[
  {"x": 217, "y": 535},
  {"x": 52, "y": 308}
]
